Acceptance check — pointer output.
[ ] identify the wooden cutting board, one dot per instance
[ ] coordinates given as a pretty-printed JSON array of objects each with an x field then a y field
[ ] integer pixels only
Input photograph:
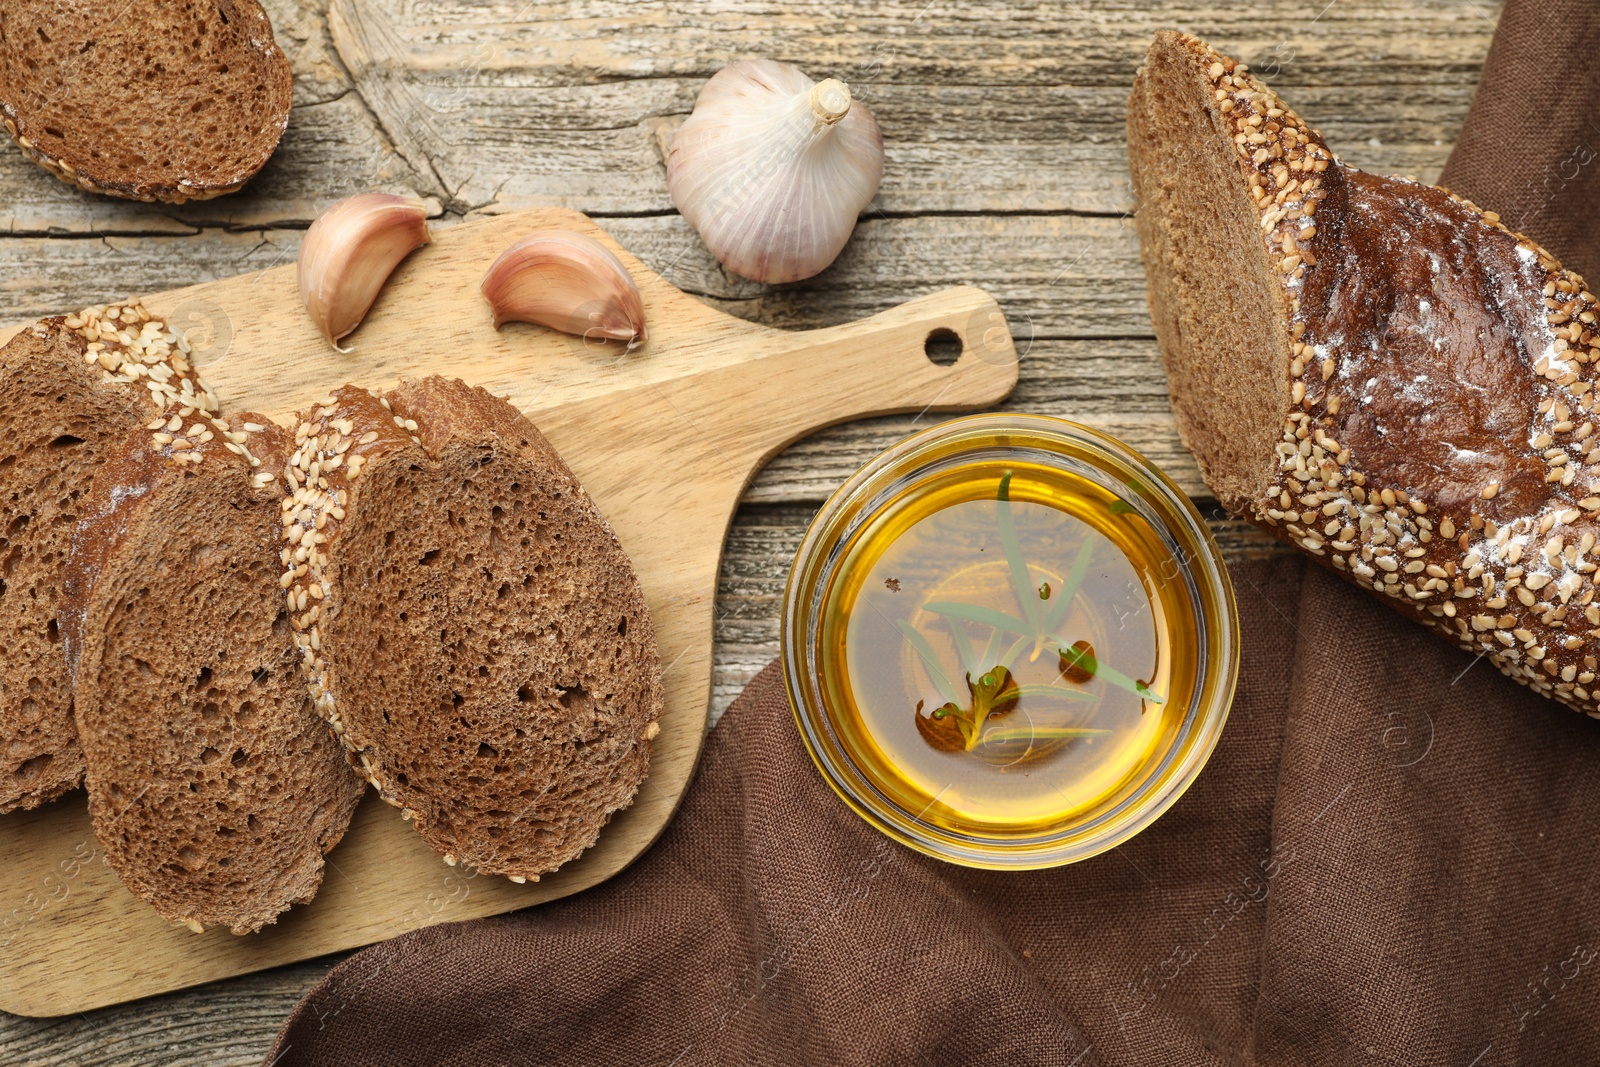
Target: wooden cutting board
[{"x": 665, "y": 439}]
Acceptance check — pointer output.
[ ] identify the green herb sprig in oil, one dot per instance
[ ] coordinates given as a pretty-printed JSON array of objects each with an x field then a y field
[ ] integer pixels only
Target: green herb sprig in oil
[{"x": 991, "y": 691}]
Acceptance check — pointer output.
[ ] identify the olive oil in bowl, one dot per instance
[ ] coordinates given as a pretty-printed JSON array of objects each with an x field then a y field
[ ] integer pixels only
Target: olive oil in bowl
[{"x": 1018, "y": 642}]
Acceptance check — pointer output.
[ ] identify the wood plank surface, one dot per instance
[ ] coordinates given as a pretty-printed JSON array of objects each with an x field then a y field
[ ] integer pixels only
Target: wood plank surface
[{"x": 1003, "y": 122}]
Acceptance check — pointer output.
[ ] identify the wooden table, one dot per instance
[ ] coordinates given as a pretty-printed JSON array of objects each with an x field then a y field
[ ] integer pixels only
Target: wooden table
[{"x": 1003, "y": 123}]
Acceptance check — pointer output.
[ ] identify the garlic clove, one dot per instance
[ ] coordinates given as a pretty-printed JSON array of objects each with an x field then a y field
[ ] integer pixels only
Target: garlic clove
[
  {"x": 568, "y": 282},
  {"x": 773, "y": 169},
  {"x": 350, "y": 251}
]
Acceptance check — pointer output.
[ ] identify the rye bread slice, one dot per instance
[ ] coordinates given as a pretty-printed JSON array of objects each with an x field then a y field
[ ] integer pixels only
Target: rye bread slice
[
  {"x": 168, "y": 102},
  {"x": 213, "y": 785},
  {"x": 71, "y": 389},
  {"x": 471, "y": 625},
  {"x": 1219, "y": 308}
]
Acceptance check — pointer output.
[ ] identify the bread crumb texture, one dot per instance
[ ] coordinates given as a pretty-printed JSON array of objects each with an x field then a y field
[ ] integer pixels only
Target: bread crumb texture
[
  {"x": 213, "y": 785},
  {"x": 1439, "y": 445},
  {"x": 167, "y": 101},
  {"x": 470, "y": 626}
]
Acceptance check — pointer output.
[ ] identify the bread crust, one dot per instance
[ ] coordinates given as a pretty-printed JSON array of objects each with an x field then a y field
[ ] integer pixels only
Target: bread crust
[
  {"x": 216, "y": 92},
  {"x": 1437, "y": 445}
]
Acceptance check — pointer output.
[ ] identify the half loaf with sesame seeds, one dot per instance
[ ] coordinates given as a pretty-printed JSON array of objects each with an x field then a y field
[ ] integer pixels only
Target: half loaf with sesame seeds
[
  {"x": 471, "y": 627},
  {"x": 1377, "y": 371},
  {"x": 72, "y": 389},
  {"x": 214, "y": 787},
  {"x": 167, "y": 102}
]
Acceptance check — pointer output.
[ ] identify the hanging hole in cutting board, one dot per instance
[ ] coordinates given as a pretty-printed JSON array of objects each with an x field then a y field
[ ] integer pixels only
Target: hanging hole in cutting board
[{"x": 943, "y": 347}]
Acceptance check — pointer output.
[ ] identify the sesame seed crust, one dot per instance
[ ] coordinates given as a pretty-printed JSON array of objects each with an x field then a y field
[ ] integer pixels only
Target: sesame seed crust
[
  {"x": 134, "y": 349},
  {"x": 333, "y": 442},
  {"x": 1489, "y": 545}
]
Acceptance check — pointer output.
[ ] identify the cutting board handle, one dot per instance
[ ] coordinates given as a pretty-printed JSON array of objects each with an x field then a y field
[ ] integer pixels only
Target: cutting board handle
[{"x": 886, "y": 365}]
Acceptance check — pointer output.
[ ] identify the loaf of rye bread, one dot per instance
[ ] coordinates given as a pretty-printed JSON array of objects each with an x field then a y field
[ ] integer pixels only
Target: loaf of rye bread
[
  {"x": 471, "y": 627},
  {"x": 214, "y": 787},
  {"x": 71, "y": 389},
  {"x": 1377, "y": 371},
  {"x": 145, "y": 100}
]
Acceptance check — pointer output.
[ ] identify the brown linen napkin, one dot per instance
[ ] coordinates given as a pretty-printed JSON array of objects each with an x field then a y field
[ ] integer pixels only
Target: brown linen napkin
[
  {"x": 1530, "y": 148},
  {"x": 1389, "y": 859}
]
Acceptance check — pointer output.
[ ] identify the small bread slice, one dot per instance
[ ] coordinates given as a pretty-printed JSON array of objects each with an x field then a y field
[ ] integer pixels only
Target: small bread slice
[
  {"x": 472, "y": 628},
  {"x": 168, "y": 102},
  {"x": 214, "y": 787},
  {"x": 71, "y": 390}
]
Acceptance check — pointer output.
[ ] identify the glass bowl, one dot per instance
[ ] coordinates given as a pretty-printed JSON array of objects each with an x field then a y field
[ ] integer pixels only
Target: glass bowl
[{"x": 1189, "y": 583}]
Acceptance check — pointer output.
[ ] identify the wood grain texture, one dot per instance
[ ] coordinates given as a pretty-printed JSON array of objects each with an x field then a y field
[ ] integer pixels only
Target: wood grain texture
[
  {"x": 664, "y": 438},
  {"x": 1003, "y": 118}
]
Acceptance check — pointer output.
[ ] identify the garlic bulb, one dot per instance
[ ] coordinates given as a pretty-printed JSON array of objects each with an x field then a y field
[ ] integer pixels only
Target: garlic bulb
[
  {"x": 773, "y": 169},
  {"x": 349, "y": 253},
  {"x": 568, "y": 282}
]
